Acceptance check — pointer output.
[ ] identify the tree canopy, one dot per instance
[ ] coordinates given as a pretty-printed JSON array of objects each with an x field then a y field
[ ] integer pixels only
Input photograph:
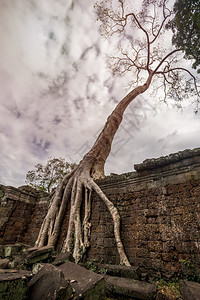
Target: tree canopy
[
  {"x": 186, "y": 29},
  {"x": 143, "y": 47},
  {"x": 48, "y": 176}
]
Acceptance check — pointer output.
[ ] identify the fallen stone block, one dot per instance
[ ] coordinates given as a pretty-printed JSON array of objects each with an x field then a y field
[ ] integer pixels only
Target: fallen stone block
[
  {"x": 4, "y": 263},
  {"x": 61, "y": 258},
  {"x": 131, "y": 272},
  {"x": 34, "y": 255},
  {"x": 13, "y": 284},
  {"x": 37, "y": 267},
  {"x": 86, "y": 284},
  {"x": 10, "y": 250},
  {"x": 118, "y": 286},
  {"x": 17, "y": 262},
  {"x": 189, "y": 290},
  {"x": 49, "y": 284}
]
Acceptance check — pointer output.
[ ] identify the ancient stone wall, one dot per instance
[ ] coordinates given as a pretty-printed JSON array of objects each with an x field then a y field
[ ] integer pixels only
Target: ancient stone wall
[
  {"x": 159, "y": 206},
  {"x": 160, "y": 215},
  {"x": 21, "y": 213}
]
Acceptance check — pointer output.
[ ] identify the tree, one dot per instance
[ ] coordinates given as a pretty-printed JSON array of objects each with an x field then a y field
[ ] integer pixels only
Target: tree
[
  {"x": 47, "y": 177},
  {"x": 139, "y": 38},
  {"x": 186, "y": 29}
]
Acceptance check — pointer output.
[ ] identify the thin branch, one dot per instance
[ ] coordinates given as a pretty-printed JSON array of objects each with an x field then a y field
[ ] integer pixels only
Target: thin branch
[
  {"x": 163, "y": 22},
  {"x": 154, "y": 17},
  {"x": 164, "y": 59},
  {"x": 145, "y": 32},
  {"x": 183, "y": 69}
]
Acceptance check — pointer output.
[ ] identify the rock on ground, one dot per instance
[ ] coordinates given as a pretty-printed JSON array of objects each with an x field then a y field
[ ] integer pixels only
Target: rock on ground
[
  {"x": 49, "y": 284},
  {"x": 4, "y": 263},
  {"x": 130, "y": 288},
  {"x": 13, "y": 284},
  {"x": 86, "y": 284},
  {"x": 131, "y": 272},
  {"x": 190, "y": 290}
]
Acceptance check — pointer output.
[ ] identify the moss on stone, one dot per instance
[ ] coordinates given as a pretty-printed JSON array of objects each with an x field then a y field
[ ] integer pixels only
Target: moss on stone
[
  {"x": 96, "y": 293},
  {"x": 13, "y": 290}
]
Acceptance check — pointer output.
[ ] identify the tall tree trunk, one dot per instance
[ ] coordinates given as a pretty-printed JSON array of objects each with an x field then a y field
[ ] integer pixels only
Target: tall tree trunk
[{"x": 81, "y": 179}]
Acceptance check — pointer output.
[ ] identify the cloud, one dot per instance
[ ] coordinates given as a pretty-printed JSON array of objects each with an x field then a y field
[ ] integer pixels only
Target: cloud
[{"x": 56, "y": 93}]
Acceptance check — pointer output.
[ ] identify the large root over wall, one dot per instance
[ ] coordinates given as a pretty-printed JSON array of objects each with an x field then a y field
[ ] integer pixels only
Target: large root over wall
[{"x": 75, "y": 188}]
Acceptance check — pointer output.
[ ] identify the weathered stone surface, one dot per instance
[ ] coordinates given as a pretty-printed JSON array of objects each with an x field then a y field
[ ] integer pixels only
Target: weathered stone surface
[
  {"x": 159, "y": 209},
  {"x": 12, "y": 274},
  {"x": 120, "y": 271},
  {"x": 130, "y": 288},
  {"x": 49, "y": 284},
  {"x": 159, "y": 213},
  {"x": 190, "y": 290},
  {"x": 35, "y": 254},
  {"x": 21, "y": 213},
  {"x": 62, "y": 258},
  {"x": 17, "y": 262},
  {"x": 4, "y": 263},
  {"x": 10, "y": 250},
  {"x": 13, "y": 284},
  {"x": 37, "y": 267},
  {"x": 166, "y": 160},
  {"x": 87, "y": 284}
]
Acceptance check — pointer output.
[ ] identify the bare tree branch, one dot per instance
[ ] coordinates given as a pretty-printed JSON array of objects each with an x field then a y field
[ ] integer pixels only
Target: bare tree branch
[{"x": 163, "y": 22}]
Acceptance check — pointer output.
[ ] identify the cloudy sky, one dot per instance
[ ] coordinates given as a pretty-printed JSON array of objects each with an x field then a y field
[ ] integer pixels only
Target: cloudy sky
[{"x": 56, "y": 93}]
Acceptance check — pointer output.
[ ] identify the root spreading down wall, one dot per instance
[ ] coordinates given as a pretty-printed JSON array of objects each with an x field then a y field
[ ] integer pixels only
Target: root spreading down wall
[{"x": 159, "y": 205}]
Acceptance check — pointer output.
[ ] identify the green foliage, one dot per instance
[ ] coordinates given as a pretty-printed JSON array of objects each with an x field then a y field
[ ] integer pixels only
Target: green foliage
[
  {"x": 92, "y": 266},
  {"x": 47, "y": 177},
  {"x": 187, "y": 263},
  {"x": 193, "y": 277},
  {"x": 186, "y": 29},
  {"x": 103, "y": 271}
]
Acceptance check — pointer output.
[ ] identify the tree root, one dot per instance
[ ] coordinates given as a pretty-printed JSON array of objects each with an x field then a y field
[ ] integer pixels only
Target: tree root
[{"x": 75, "y": 188}]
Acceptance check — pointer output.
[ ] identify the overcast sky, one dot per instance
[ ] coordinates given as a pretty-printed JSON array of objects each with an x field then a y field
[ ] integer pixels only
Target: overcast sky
[{"x": 56, "y": 93}]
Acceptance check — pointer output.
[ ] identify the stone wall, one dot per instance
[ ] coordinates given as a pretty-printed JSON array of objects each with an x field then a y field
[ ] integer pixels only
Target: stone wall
[
  {"x": 160, "y": 215},
  {"x": 159, "y": 206},
  {"x": 21, "y": 213}
]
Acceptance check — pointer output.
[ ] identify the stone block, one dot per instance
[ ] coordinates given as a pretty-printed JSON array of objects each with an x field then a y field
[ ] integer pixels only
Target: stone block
[
  {"x": 155, "y": 255},
  {"x": 10, "y": 250},
  {"x": 49, "y": 284},
  {"x": 155, "y": 246},
  {"x": 124, "y": 287},
  {"x": 38, "y": 254},
  {"x": 87, "y": 285},
  {"x": 4, "y": 263},
  {"x": 166, "y": 257},
  {"x": 13, "y": 284},
  {"x": 131, "y": 272},
  {"x": 61, "y": 258},
  {"x": 166, "y": 233},
  {"x": 190, "y": 290}
]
